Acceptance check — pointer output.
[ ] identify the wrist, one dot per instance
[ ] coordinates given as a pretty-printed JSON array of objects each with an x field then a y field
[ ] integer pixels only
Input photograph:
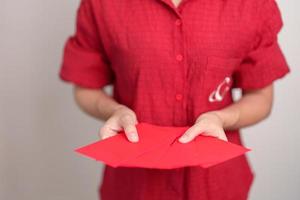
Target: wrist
[
  {"x": 109, "y": 109},
  {"x": 220, "y": 116},
  {"x": 229, "y": 119},
  {"x": 117, "y": 108},
  {"x": 213, "y": 115}
]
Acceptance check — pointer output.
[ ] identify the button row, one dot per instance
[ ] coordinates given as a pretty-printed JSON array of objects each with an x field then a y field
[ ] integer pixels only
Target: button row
[
  {"x": 179, "y": 57},
  {"x": 178, "y": 22},
  {"x": 178, "y": 97}
]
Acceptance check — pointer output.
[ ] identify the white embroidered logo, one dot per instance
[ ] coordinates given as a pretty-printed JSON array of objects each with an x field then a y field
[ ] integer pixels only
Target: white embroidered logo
[{"x": 222, "y": 89}]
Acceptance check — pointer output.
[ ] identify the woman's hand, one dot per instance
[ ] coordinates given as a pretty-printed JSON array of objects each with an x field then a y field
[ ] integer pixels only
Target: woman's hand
[
  {"x": 208, "y": 124},
  {"x": 122, "y": 118}
]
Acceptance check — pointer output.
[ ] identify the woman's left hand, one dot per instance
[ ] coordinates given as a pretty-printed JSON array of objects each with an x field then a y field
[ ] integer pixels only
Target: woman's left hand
[{"x": 208, "y": 124}]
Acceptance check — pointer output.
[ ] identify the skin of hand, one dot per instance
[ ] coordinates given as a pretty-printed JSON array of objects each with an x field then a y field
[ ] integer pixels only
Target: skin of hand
[
  {"x": 99, "y": 105},
  {"x": 254, "y": 106},
  {"x": 122, "y": 118},
  {"x": 207, "y": 124}
]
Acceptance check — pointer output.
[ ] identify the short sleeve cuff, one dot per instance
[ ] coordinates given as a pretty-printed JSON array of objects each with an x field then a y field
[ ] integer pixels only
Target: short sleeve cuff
[
  {"x": 83, "y": 67},
  {"x": 269, "y": 65},
  {"x": 253, "y": 83}
]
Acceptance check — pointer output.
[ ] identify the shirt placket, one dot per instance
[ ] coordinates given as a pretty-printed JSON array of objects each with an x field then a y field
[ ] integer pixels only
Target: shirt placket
[
  {"x": 179, "y": 118},
  {"x": 179, "y": 57}
]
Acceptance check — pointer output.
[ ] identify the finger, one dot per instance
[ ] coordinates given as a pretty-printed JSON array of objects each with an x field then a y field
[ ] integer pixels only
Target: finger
[
  {"x": 190, "y": 134},
  {"x": 106, "y": 132},
  {"x": 217, "y": 133},
  {"x": 128, "y": 123},
  {"x": 222, "y": 136}
]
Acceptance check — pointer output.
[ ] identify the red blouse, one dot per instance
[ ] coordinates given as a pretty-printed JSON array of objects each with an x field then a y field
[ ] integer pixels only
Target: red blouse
[{"x": 170, "y": 65}]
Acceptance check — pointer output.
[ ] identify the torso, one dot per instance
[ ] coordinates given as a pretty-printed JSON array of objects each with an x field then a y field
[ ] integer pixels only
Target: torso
[{"x": 166, "y": 63}]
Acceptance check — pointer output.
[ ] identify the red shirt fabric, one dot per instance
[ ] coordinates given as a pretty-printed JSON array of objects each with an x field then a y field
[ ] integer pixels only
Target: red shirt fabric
[{"x": 170, "y": 64}]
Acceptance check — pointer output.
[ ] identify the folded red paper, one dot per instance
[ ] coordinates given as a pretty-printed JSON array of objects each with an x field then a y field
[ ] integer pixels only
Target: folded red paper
[{"x": 158, "y": 147}]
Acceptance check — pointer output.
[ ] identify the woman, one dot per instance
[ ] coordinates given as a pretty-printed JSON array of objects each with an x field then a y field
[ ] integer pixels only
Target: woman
[{"x": 175, "y": 65}]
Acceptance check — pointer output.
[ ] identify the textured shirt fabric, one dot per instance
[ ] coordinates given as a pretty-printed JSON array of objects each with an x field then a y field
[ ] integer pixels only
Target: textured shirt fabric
[{"x": 164, "y": 63}]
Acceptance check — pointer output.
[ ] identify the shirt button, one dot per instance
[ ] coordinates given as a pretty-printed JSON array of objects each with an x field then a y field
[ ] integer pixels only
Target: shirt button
[
  {"x": 178, "y": 97},
  {"x": 178, "y": 22},
  {"x": 179, "y": 57}
]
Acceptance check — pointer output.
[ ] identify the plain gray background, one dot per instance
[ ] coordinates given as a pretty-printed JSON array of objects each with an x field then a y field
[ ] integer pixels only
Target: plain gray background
[{"x": 40, "y": 124}]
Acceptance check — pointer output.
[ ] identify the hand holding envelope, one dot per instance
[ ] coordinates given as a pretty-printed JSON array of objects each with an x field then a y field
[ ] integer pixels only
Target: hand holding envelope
[{"x": 159, "y": 148}]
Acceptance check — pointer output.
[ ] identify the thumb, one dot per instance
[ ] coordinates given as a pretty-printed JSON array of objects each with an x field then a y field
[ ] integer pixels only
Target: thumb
[{"x": 128, "y": 123}]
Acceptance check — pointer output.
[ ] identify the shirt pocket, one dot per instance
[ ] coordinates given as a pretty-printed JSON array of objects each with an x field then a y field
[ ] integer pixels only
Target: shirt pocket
[{"x": 218, "y": 80}]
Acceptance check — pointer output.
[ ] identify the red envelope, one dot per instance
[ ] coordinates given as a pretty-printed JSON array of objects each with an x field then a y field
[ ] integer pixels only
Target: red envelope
[{"x": 158, "y": 147}]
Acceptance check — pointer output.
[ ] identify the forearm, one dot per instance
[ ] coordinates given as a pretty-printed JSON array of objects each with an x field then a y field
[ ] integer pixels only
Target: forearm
[
  {"x": 253, "y": 107},
  {"x": 96, "y": 103}
]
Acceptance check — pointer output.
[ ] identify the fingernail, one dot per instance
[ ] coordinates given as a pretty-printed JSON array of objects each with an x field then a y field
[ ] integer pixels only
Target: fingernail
[
  {"x": 133, "y": 137},
  {"x": 183, "y": 139}
]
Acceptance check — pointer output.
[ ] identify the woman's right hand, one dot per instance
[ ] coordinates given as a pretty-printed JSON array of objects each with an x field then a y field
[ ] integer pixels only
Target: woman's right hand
[{"x": 124, "y": 119}]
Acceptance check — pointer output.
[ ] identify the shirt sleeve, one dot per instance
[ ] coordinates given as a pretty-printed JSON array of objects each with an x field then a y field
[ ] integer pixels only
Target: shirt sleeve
[
  {"x": 84, "y": 60},
  {"x": 265, "y": 63}
]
